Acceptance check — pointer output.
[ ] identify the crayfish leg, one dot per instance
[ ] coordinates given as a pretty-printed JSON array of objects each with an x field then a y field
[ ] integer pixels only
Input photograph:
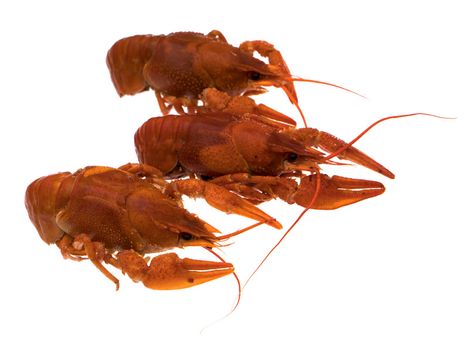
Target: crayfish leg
[
  {"x": 219, "y": 101},
  {"x": 146, "y": 172},
  {"x": 278, "y": 64},
  {"x": 81, "y": 245},
  {"x": 222, "y": 199},
  {"x": 164, "y": 106},
  {"x": 217, "y": 35},
  {"x": 65, "y": 244},
  {"x": 166, "y": 103}
]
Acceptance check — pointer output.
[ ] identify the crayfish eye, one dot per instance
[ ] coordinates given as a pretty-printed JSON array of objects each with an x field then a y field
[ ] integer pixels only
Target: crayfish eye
[
  {"x": 186, "y": 236},
  {"x": 254, "y": 75},
  {"x": 291, "y": 157}
]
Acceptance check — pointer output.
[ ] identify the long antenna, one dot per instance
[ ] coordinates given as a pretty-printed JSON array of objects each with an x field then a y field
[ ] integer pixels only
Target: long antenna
[
  {"x": 318, "y": 179},
  {"x": 294, "y": 78},
  {"x": 360, "y": 135},
  {"x": 239, "y": 292},
  {"x": 294, "y": 99}
]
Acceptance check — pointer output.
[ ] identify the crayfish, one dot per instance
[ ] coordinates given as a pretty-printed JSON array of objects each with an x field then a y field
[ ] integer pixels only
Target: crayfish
[
  {"x": 223, "y": 147},
  {"x": 117, "y": 216},
  {"x": 180, "y": 66},
  {"x": 255, "y": 159}
]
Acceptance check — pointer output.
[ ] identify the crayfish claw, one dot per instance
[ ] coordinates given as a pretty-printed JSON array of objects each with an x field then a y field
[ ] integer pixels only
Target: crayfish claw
[
  {"x": 168, "y": 271},
  {"x": 224, "y": 200},
  {"x": 332, "y": 144},
  {"x": 335, "y": 192}
]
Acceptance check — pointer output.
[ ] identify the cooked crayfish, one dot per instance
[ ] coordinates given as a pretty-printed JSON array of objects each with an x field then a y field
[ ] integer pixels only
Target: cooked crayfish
[
  {"x": 255, "y": 159},
  {"x": 181, "y": 65},
  {"x": 116, "y": 216}
]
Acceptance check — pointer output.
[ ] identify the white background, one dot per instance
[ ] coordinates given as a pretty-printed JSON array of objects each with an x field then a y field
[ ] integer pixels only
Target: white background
[{"x": 387, "y": 273}]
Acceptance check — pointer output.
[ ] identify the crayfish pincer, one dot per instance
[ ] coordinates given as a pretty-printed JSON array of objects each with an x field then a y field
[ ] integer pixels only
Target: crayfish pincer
[{"x": 118, "y": 216}]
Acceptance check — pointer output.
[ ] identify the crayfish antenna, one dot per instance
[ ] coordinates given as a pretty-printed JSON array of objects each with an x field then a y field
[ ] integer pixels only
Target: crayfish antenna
[
  {"x": 239, "y": 292},
  {"x": 238, "y": 282},
  {"x": 360, "y": 135},
  {"x": 294, "y": 99},
  {"x": 293, "y": 78},
  {"x": 229, "y": 235},
  {"x": 301, "y": 113},
  {"x": 318, "y": 176},
  {"x": 311, "y": 203}
]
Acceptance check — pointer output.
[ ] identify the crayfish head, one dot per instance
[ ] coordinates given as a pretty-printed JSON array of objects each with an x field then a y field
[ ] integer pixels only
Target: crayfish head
[
  {"x": 163, "y": 224},
  {"x": 258, "y": 75},
  {"x": 296, "y": 153},
  {"x": 295, "y": 162},
  {"x": 186, "y": 230},
  {"x": 266, "y": 150},
  {"x": 192, "y": 239},
  {"x": 235, "y": 72},
  {"x": 279, "y": 76},
  {"x": 269, "y": 75}
]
